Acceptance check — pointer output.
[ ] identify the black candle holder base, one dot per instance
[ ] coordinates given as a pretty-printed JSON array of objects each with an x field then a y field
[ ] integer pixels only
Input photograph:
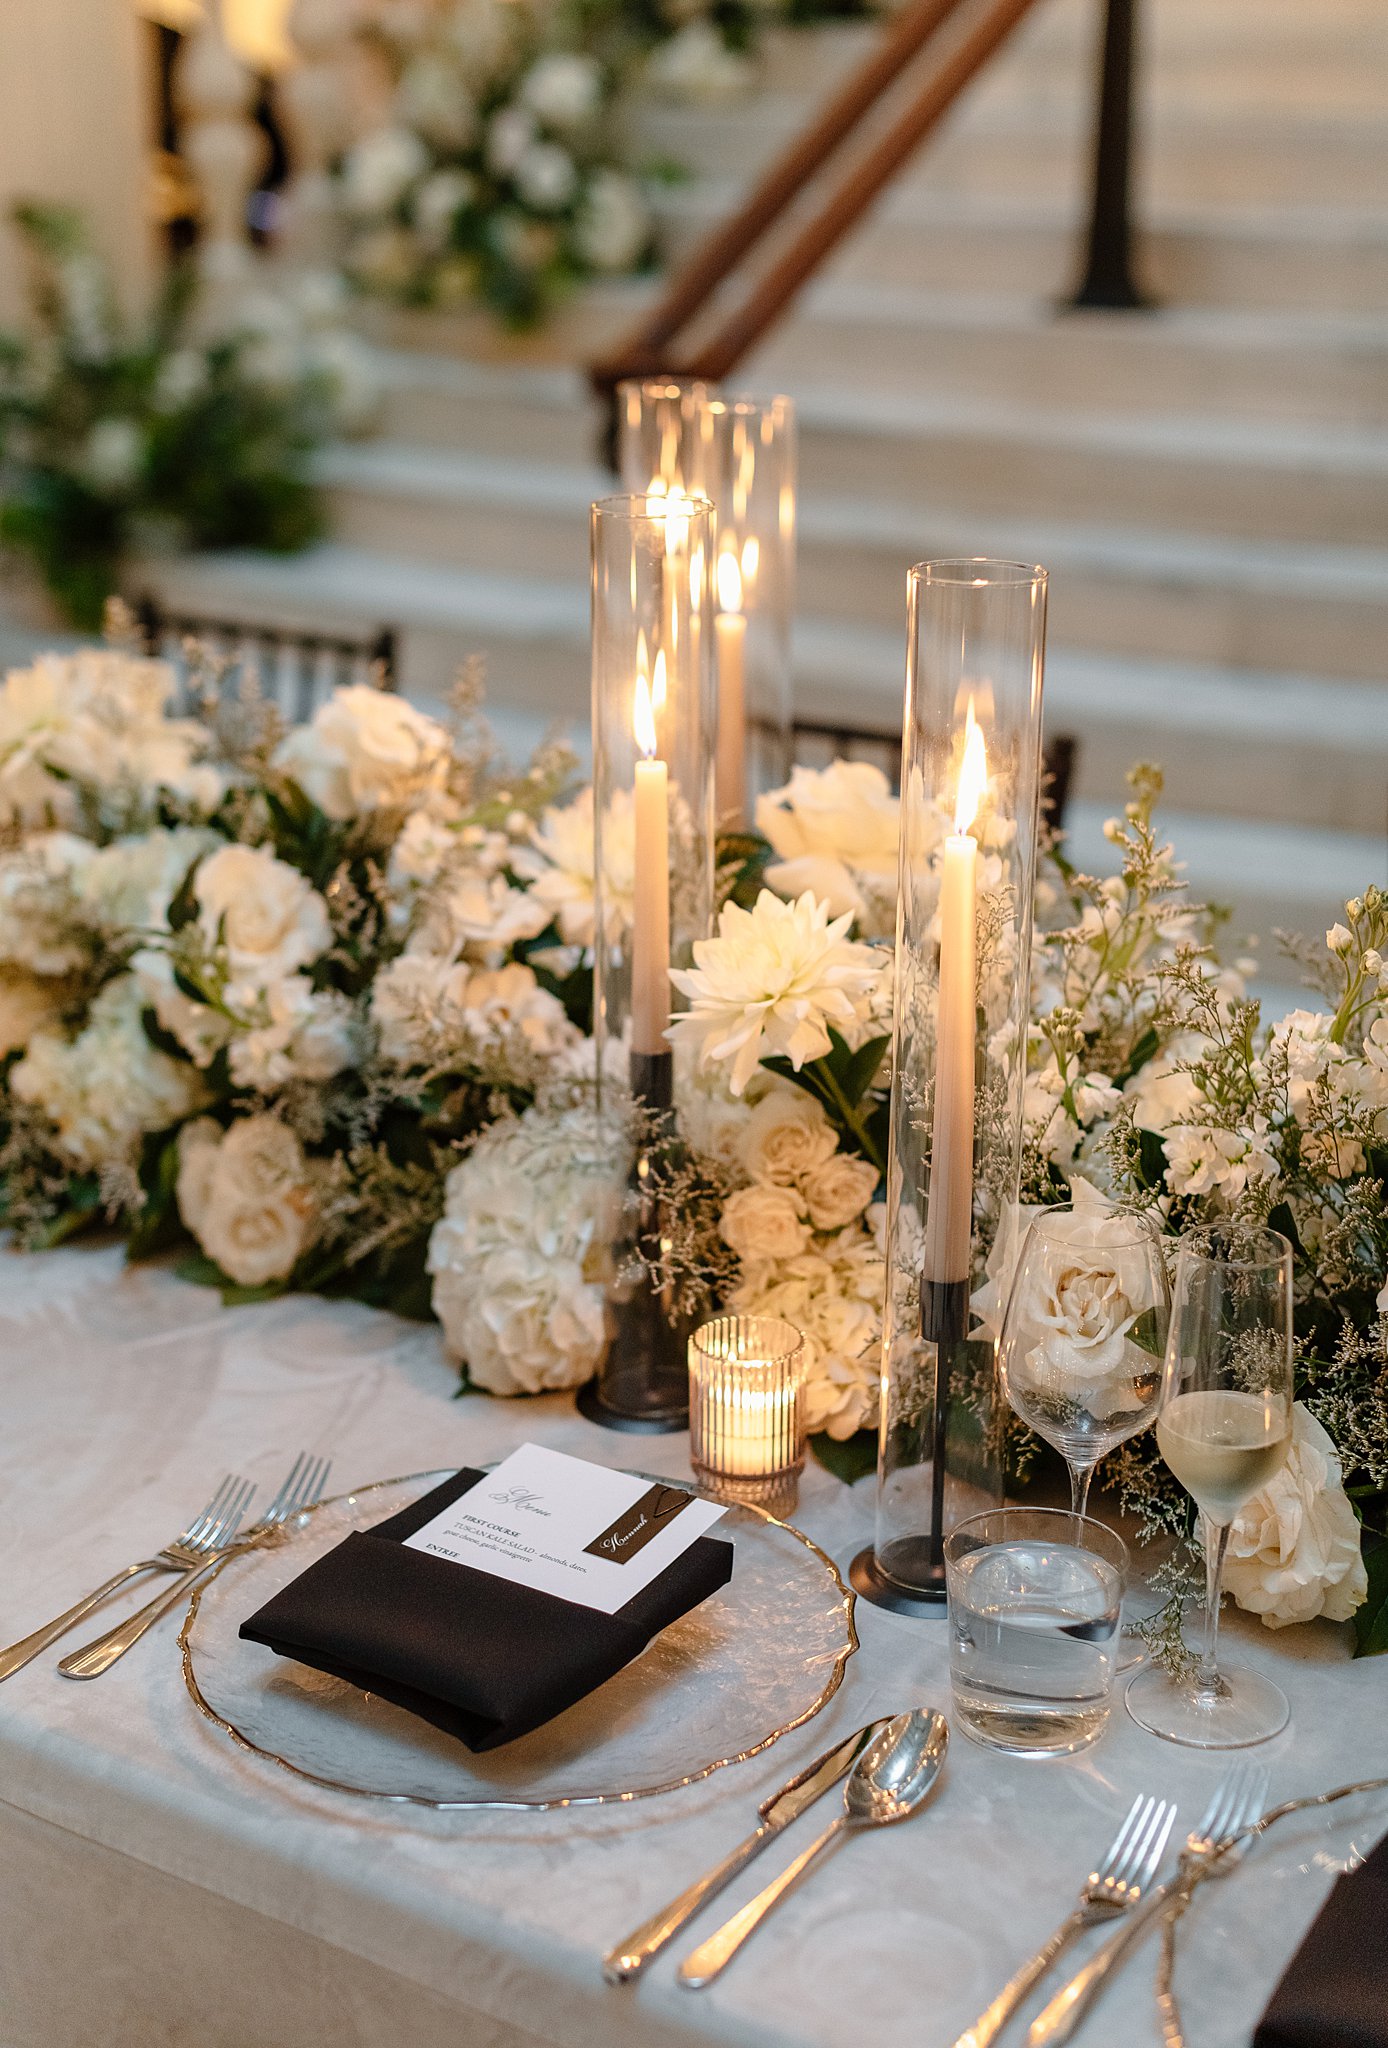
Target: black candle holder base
[
  {"x": 593, "y": 1408},
  {"x": 867, "y": 1578}
]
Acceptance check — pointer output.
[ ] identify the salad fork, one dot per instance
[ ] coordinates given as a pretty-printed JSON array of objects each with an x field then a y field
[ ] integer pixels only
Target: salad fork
[
  {"x": 1115, "y": 1886},
  {"x": 1236, "y": 1805},
  {"x": 302, "y": 1486},
  {"x": 190, "y": 1548}
]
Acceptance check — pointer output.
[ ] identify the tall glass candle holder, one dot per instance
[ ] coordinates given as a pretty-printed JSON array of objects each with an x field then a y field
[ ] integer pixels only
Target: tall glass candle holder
[
  {"x": 653, "y": 733},
  {"x": 747, "y": 1410},
  {"x": 970, "y": 786},
  {"x": 738, "y": 452}
]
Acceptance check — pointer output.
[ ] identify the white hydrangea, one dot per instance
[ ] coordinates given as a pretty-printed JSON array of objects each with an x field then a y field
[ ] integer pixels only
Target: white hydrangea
[
  {"x": 519, "y": 1257},
  {"x": 96, "y": 718},
  {"x": 247, "y": 1196},
  {"x": 105, "y": 1088},
  {"x": 833, "y": 1295},
  {"x": 695, "y": 64},
  {"x": 546, "y": 177},
  {"x": 433, "y": 98},
  {"x": 128, "y": 885},
  {"x": 295, "y": 1033}
]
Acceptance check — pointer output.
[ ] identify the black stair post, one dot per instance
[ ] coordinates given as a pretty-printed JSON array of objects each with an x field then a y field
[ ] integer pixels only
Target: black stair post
[{"x": 1108, "y": 277}]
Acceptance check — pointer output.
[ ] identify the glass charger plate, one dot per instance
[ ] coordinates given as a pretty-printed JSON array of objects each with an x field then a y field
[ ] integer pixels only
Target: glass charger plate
[{"x": 760, "y": 1658}]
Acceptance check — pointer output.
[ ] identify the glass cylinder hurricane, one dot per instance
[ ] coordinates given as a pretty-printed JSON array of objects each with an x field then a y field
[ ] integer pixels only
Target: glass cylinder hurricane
[
  {"x": 653, "y": 731},
  {"x": 970, "y": 787},
  {"x": 747, "y": 1409},
  {"x": 739, "y": 452}
]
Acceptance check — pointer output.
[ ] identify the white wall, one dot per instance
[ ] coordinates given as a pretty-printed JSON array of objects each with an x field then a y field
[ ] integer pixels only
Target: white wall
[{"x": 75, "y": 85}]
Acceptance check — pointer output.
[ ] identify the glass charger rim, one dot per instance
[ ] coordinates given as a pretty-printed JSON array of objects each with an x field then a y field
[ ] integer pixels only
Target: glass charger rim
[{"x": 511, "y": 1803}]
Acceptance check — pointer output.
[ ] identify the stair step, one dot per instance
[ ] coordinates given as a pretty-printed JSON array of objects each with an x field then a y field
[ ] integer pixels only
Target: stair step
[
  {"x": 1320, "y": 365},
  {"x": 1253, "y": 604},
  {"x": 1202, "y": 473},
  {"x": 1240, "y": 257},
  {"x": 1228, "y": 159}
]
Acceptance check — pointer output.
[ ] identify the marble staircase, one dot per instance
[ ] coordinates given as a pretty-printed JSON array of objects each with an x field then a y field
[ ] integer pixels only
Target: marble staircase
[{"x": 1207, "y": 482}]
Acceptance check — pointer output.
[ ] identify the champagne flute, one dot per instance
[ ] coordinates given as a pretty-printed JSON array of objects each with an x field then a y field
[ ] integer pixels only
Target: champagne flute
[
  {"x": 1080, "y": 1354},
  {"x": 1224, "y": 1429}
]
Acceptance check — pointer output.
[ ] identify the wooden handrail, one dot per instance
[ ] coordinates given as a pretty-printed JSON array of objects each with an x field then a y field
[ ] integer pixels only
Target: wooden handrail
[{"x": 652, "y": 346}]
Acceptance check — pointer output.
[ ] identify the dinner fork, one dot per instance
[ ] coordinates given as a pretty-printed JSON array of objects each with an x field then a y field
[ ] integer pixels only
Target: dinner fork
[
  {"x": 1236, "y": 1805},
  {"x": 1113, "y": 1887},
  {"x": 302, "y": 1486},
  {"x": 187, "y": 1550}
]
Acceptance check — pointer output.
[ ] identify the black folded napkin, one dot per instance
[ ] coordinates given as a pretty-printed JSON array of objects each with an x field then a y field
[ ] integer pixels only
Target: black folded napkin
[
  {"x": 479, "y": 1657},
  {"x": 1335, "y": 1992}
]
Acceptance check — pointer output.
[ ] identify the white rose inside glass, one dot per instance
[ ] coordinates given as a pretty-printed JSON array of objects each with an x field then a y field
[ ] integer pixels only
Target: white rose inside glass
[
  {"x": 1084, "y": 1334},
  {"x": 1225, "y": 1429}
]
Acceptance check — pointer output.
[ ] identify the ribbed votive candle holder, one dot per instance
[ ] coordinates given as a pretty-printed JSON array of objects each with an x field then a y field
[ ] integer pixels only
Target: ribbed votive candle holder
[{"x": 747, "y": 1410}]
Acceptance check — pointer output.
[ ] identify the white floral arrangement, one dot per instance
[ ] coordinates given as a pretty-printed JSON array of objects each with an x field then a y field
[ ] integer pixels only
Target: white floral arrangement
[
  {"x": 493, "y": 174},
  {"x": 498, "y": 169},
  {"x": 318, "y": 999}
]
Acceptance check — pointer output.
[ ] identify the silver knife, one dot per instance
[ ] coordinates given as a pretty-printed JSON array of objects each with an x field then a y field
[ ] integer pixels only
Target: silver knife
[{"x": 631, "y": 1956}]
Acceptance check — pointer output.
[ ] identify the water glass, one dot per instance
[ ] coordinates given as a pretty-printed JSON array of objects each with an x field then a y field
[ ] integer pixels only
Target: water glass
[{"x": 1035, "y": 1615}]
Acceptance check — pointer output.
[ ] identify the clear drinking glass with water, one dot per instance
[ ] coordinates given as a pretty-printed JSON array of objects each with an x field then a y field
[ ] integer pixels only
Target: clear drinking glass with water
[{"x": 1035, "y": 1615}]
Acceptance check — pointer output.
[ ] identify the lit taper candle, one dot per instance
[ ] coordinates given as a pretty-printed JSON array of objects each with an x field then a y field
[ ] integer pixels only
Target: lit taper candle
[
  {"x": 730, "y": 629},
  {"x": 949, "y": 1219},
  {"x": 650, "y": 941}
]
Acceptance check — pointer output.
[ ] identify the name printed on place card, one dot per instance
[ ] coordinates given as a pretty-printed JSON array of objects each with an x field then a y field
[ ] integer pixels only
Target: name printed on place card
[{"x": 563, "y": 1526}]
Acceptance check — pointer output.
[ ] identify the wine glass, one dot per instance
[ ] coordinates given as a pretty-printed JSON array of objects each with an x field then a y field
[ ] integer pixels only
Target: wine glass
[
  {"x": 1224, "y": 1428},
  {"x": 1080, "y": 1354}
]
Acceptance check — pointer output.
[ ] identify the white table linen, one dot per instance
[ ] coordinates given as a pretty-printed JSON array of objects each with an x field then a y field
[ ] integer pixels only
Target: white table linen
[{"x": 159, "y": 1886}]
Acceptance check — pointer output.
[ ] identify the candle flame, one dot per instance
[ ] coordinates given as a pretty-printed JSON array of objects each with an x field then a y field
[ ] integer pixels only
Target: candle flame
[
  {"x": 642, "y": 715},
  {"x": 973, "y": 773},
  {"x": 729, "y": 583}
]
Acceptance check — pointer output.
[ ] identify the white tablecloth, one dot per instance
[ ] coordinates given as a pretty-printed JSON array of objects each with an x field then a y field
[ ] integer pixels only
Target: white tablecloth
[{"x": 156, "y": 1886}]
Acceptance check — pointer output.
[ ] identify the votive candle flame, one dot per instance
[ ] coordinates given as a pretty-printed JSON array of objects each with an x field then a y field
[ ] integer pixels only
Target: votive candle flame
[{"x": 746, "y": 1407}]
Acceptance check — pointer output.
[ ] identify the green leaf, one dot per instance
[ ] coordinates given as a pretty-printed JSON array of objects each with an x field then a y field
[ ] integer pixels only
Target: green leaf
[
  {"x": 1151, "y": 1158},
  {"x": 205, "y": 1272},
  {"x": 1147, "y": 1045},
  {"x": 861, "y": 1068},
  {"x": 1371, "y": 1620},
  {"x": 1280, "y": 1217},
  {"x": 183, "y": 907},
  {"x": 848, "y": 1458}
]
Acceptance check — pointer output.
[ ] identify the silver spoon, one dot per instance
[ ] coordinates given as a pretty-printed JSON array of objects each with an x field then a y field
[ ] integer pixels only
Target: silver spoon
[{"x": 890, "y": 1780}]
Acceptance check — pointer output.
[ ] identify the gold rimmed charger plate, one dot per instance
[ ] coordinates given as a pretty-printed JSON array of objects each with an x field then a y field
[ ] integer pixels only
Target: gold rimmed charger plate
[{"x": 761, "y": 1658}]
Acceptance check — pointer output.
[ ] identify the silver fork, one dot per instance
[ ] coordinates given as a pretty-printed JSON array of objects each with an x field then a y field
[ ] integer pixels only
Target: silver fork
[
  {"x": 302, "y": 1486},
  {"x": 187, "y": 1550},
  {"x": 1113, "y": 1887},
  {"x": 1236, "y": 1805}
]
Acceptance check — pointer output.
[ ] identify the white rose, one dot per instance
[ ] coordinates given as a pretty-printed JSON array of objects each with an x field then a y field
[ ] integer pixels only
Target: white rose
[
  {"x": 366, "y": 750},
  {"x": 487, "y": 915},
  {"x": 786, "y": 1136},
  {"x": 563, "y": 88},
  {"x": 614, "y": 222},
  {"x": 519, "y": 1258},
  {"x": 1294, "y": 1549},
  {"x": 546, "y": 177},
  {"x": 246, "y": 1196},
  {"x": 380, "y": 168},
  {"x": 764, "y": 1223},
  {"x": 836, "y": 831},
  {"x": 433, "y": 98},
  {"x": 837, "y": 1193},
  {"x": 437, "y": 203},
  {"x": 114, "y": 451},
  {"x": 509, "y": 136},
  {"x": 267, "y": 916}
]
